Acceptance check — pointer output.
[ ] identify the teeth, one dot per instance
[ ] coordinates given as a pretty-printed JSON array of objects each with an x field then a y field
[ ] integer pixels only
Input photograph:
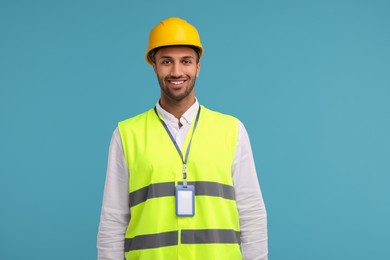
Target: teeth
[{"x": 177, "y": 82}]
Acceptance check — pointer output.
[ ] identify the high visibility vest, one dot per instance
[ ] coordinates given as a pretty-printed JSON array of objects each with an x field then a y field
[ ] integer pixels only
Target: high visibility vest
[{"x": 154, "y": 231}]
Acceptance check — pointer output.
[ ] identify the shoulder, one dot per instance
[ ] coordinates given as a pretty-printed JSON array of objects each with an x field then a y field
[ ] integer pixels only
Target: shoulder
[
  {"x": 218, "y": 116},
  {"x": 136, "y": 119}
]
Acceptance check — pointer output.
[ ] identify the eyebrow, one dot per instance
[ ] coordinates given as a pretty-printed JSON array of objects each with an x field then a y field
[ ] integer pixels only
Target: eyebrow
[{"x": 170, "y": 57}]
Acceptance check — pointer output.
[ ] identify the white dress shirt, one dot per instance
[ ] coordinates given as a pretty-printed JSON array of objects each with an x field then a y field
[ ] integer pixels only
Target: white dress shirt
[{"x": 115, "y": 214}]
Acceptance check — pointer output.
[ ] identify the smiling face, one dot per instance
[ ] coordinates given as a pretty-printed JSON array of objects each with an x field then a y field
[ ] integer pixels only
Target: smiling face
[{"x": 176, "y": 68}]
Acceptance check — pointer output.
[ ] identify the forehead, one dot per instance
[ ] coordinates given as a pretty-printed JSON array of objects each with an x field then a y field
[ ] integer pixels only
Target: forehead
[{"x": 176, "y": 51}]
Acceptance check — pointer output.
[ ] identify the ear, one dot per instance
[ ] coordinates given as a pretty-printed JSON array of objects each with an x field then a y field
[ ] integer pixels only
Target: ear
[{"x": 198, "y": 69}]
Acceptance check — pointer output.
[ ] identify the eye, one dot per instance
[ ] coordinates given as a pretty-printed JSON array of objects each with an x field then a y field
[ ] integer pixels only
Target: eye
[
  {"x": 186, "y": 62},
  {"x": 166, "y": 62}
]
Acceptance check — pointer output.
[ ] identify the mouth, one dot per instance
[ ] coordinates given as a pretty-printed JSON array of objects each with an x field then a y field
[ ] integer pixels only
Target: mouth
[{"x": 176, "y": 82}]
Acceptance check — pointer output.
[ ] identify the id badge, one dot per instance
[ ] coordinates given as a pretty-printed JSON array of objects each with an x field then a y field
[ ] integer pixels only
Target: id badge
[{"x": 185, "y": 199}]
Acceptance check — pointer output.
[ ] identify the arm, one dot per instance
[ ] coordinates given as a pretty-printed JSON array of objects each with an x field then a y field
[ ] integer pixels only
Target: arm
[
  {"x": 250, "y": 204},
  {"x": 115, "y": 214}
]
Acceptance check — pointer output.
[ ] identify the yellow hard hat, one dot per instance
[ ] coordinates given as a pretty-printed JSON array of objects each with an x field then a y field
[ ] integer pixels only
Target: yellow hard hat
[{"x": 173, "y": 31}]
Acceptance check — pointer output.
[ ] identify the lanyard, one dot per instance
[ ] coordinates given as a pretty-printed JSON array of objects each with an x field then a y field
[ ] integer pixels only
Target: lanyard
[{"x": 183, "y": 159}]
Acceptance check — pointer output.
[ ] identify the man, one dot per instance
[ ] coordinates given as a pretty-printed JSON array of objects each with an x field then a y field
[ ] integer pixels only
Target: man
[{"x": 181, "y": 181}]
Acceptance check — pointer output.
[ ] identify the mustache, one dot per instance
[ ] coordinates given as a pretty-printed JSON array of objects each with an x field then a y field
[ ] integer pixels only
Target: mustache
[{"x": 177, "y": 78}]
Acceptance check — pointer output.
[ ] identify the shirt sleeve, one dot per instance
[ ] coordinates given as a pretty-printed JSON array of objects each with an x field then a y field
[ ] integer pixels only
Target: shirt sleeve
[
  {"x": 250, "y": 204},
  {"x": 115, "y": 214}
]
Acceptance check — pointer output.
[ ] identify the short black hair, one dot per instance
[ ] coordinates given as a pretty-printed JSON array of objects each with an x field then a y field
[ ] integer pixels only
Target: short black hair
[{"x": 153, "y": 52}]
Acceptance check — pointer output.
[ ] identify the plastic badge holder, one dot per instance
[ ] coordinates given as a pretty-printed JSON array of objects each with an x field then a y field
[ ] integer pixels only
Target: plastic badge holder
[{"x": 185, "y": 200}]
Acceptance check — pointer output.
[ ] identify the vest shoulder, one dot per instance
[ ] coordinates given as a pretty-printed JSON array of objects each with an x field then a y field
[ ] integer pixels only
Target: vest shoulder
[
  {"x": 140, "y": 118},
  {"x": 219, "y": 116}
]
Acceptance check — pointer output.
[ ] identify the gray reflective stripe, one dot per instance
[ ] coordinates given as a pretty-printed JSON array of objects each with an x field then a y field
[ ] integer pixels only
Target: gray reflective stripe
[
  {"x": 209, "y": 236},
  {"x": 152, "y": 191},
  {"x": 205, "y": 188},
  {"x": 199, "y": 236},
  {"x": 151, "y": 241},
  {"x": 202, "y": 188}
]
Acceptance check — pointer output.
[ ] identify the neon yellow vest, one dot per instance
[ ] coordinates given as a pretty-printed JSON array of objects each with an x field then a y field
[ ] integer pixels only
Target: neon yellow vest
[{"x": 154, "y": 231}]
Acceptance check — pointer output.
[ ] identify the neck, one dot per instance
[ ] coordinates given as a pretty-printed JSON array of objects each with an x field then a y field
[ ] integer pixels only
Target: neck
[{"x": 176, "y": 108}]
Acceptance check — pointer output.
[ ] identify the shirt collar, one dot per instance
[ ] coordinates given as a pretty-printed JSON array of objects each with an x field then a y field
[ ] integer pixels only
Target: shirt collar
[{"x": 188, "y": 116}]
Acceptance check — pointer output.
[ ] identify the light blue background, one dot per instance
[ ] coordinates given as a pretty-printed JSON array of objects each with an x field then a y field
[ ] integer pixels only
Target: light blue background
[{"x": 309, "y": 79}]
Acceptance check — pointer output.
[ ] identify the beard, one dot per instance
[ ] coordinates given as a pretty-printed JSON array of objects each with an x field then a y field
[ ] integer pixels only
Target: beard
[{"x": 179, "y": 96}]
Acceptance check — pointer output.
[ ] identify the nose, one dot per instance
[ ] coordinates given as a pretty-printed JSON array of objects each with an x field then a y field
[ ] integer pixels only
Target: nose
[{"x": 176, "y": 70}]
